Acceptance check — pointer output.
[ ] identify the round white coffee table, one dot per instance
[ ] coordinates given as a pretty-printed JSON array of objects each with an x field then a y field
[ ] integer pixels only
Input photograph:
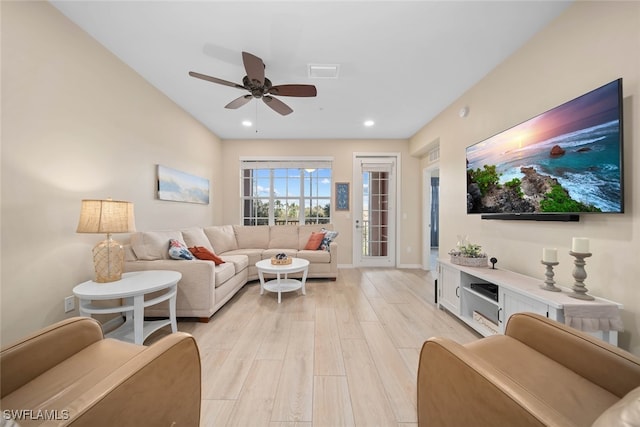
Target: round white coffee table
[
  {"x": 282, "y": 284},
  {"x": 132, "y": 288}
]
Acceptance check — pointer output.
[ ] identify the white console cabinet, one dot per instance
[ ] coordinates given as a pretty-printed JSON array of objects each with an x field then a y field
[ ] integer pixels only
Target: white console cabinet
[
  {"x": 514, "y": 292},
  {"x": 449, "y": 288}
]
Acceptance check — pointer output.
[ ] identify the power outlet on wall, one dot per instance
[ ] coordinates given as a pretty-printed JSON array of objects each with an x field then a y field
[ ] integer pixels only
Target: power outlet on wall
[{"x": 69, "y": 304}]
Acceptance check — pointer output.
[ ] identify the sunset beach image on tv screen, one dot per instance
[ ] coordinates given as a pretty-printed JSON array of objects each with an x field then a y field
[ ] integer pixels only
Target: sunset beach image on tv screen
[{"x": 568, "y": 159}]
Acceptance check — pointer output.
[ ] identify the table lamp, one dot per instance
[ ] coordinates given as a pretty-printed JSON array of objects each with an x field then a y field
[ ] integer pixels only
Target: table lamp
[{"x": 107, "y": 216}]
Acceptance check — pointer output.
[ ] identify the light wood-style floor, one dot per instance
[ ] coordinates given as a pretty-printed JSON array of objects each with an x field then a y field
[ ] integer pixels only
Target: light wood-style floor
[{"x": 346, "y": 354}]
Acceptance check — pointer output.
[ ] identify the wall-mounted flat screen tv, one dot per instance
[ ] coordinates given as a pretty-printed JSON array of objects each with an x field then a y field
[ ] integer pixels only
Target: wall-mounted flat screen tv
[{"x": 566, "y": 160}]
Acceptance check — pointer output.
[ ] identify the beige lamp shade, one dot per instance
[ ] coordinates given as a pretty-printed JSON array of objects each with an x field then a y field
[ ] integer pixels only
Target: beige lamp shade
[{"x": 107, "y": 216}]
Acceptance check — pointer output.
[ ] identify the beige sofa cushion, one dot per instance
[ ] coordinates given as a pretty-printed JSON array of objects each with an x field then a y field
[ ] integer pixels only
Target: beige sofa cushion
[
  {"x": 624, "y": 413},
  {"x": 129, "y": 255},
  {"x": 224, "y": 272},
  {"x": 270, "y": 253},
  {"x": 240, "y": 262},
  {"x": 195, "y": 236},
  {"x": 252, "y": 237},
  {"x": 153, "y": 245},
  {"x": 283, "y": 236},
  {"x": 253, "y": 255},
  {"x": 222, "y": 238}
]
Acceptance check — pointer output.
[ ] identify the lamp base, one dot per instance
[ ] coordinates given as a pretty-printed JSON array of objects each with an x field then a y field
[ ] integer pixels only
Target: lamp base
[{"x": 108, "y": 261}]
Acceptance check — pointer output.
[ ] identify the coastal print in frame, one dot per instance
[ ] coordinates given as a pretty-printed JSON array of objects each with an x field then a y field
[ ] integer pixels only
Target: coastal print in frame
[
  {"x": 177, "y": 186},
  {"x": 342, "y": 196}
]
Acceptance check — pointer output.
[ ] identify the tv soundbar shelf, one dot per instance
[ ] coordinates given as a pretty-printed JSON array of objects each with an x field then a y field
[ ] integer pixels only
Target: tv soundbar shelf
[{"x": 516, "y": 293}]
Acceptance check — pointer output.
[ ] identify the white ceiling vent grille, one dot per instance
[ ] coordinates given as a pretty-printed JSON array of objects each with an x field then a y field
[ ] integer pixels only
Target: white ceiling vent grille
[{"x": 324, "y": 71}]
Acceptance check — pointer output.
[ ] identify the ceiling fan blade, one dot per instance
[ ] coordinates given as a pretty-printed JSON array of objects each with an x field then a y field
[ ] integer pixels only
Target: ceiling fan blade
[
  {"x": 215, "y": 80},
  {"x": 254, "y": 67},
  {"x": 294, "y": 90},
  {"x": 277, "y": 105},
  {"x": 238, "y": 102}
]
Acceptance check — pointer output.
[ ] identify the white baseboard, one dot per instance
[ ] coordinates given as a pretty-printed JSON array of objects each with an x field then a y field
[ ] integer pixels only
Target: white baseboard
[
  {"x": 413, "y": 266},
  {"x": 345, "y": 265}
]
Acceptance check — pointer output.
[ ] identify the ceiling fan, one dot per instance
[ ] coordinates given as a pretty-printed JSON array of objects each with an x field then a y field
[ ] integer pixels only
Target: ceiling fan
[{"x": 260, "y": 87}]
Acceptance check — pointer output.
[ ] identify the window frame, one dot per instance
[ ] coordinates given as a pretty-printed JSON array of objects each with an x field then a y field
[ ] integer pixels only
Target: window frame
[{"x": 309, "y": 172}]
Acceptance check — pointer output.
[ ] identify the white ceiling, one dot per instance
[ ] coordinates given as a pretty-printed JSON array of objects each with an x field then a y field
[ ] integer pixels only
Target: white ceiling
[{"x": 401, "y": 63}]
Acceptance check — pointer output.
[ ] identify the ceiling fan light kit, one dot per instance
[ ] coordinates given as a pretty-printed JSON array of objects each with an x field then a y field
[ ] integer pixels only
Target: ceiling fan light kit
[{"x": 260, "y": 87}]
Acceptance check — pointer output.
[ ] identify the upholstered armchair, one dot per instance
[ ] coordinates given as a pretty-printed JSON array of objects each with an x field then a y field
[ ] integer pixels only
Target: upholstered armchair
[
  {"x": 539, "y": 373},
  {"x": 69, "y": 374}
]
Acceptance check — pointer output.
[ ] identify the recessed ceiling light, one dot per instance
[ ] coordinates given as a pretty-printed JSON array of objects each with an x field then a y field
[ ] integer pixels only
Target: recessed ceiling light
[
  {"x": 369, "y": 123},
  {"x": 246, "y": 123}
]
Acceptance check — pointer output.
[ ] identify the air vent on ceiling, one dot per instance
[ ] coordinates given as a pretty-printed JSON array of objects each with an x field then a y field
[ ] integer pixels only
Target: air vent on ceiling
[{"x": 323, "y": 71}]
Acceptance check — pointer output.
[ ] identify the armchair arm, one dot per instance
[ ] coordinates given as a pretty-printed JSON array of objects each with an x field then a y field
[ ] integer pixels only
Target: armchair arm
[
  {"x": 159, "y": 386},
  {"x": 456, "y": 388},
  {"x": 584, "y": 354},
  {"x": 21, "y": 362}
]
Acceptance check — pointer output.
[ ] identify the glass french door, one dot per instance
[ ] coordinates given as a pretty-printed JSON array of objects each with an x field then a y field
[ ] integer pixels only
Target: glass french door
[{"x": 374, "y": 194}]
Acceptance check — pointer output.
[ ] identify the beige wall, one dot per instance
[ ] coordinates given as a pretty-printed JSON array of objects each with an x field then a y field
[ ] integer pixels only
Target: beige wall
[
  {"x": 342, "y": 152},
  {"x": 589, "y": 45},
  {"x": 78, "y": 123}
]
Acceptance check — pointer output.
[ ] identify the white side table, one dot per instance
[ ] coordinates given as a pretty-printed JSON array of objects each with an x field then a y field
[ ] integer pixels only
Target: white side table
[
  {"x": 282, "y": 284},
  {"x": 132, "y": 288}
]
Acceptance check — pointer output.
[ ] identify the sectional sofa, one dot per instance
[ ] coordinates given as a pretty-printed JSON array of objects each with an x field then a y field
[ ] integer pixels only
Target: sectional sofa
[{"x": 205, "y": 286}]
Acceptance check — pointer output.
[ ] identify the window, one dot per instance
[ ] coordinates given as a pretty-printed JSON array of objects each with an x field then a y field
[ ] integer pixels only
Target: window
[{"x": 280, "y": 192}]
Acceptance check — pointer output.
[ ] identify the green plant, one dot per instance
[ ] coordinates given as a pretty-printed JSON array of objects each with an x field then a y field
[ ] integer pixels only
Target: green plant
[
  {"x": 468, "y": 250},
  {"x": 485, "y": 178},
  {"x": 558, "y": 200},
  {"x": 471, "y": 251},
  {"x": 514, "y": 184}
]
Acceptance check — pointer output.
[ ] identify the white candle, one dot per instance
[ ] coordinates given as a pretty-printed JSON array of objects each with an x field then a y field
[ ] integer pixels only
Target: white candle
[
  {"x": 580, "y": 245},
  {"x": 550, "y": 255}
]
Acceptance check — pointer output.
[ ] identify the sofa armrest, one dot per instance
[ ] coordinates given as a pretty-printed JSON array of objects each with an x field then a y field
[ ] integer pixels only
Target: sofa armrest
[
  {"x": 584, "y": 354},
  {"x": 456, "y": 388},
  {"x": 24, "y": 360},
  {"x": 160, "y": 386},
  {"x": 194, "y": 270},
  {"x": 333, "y": 250}
]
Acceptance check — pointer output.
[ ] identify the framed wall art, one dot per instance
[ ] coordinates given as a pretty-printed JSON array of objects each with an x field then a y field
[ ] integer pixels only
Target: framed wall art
[
  {"x": 179, "y": 186},
  {"x": 342, "y": 196}
]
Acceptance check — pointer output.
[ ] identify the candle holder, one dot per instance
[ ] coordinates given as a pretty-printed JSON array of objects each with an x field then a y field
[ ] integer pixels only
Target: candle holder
[
  {"x": 549, "y": 283},
  {"x": 579, "y": 274}
]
